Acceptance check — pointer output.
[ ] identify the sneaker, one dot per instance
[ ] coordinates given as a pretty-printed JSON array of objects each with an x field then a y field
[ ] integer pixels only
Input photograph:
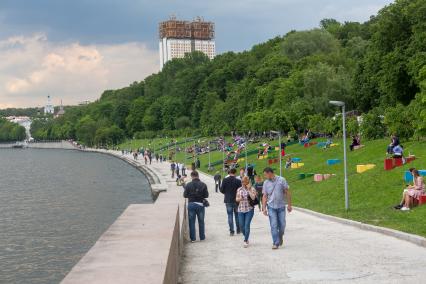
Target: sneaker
[
  {"x": 245, "y": 245},
  {"x": 238, "y": 232},
  {"x": 398, "y": 207},
  {"x": 231, "y": 234},
  {"x": 405, "y": 209},
  {"x": 274, "y": 247},
  {"x": 192, "y": 241}
]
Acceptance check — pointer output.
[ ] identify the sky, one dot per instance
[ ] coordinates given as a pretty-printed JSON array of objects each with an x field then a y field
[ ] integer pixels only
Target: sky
[{"x": 72, "y": 50}]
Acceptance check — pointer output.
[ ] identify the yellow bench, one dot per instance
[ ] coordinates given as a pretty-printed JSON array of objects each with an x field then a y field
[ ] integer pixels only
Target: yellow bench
[
  {"x": 363, "y": 168},
  {"x": 297, "y": 165}
]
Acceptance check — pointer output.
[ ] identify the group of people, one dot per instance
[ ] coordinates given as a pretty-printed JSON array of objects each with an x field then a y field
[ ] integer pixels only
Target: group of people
[
  {"x": 412, "y": 192},
  {"x": 241, "y": 196}
]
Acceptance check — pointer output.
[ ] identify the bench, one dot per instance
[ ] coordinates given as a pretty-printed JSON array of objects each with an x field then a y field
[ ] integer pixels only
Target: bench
[
  {"x": 358, "y": 147},
  {"x": 408, "y": 177},
  {"x": 333, "y": 162},
  {"x": 363, "y": 168}
]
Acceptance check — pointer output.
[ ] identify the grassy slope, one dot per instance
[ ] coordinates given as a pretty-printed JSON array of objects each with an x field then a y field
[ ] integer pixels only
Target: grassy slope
[{"x": 372, "y": 194}]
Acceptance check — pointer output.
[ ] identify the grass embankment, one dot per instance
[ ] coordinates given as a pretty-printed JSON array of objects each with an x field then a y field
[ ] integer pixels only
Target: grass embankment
[{"x": 372, "y": 193}]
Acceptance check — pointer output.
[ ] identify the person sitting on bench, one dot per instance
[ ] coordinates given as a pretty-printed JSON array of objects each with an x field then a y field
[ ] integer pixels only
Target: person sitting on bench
[
  {"x": 412, "y": 191},
  {"x": 394, "y": 143},
  {"x": 398, "y": 152},
  {"x": 355, "y": 142}
]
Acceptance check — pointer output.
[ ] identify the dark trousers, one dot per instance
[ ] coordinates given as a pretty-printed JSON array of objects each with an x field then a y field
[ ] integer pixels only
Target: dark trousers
[
  {"x": 231, "y": 210},
  {"x": 196, "y": 211}
]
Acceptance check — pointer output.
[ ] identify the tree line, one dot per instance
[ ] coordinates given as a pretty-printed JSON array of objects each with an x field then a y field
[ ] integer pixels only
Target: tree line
[
  {"x": 10, "y": 131},
  {"x": 377, "y": 67}
]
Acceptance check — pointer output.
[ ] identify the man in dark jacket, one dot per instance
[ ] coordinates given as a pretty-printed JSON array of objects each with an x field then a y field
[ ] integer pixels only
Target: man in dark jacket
[
  {"x": 196, "y": 191},
  {"x": 229, "y": 188},
  {"x": 217, "y": 180}
]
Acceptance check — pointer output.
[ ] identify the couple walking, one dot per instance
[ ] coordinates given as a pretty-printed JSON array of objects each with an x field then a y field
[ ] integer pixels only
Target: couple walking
[{"x": 240, "y": 199}]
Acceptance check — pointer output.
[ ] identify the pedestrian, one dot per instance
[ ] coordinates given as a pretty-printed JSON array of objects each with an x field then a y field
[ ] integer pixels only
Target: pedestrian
[
  {"x": 198, "y": 164},
  {"x": 217, "y": 181},
  {"x": 258, "y": 185},
  {"x": 177, "y": 169},
  {"x": 150, "y": 157},
  {"x": 196, "y": 192},
  {"x": 183, "y": 168},
  {"x": 242, "y": 174},
  {"x": 229, "y": 188},
  {"x": 275, "y": 191},
  {"x": 246, "y": 195},
  {"x": 173, "y": 168}
]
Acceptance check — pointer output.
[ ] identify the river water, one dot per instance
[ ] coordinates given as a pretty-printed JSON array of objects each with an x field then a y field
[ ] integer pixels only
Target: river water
[{"x": 55, "y": 204}]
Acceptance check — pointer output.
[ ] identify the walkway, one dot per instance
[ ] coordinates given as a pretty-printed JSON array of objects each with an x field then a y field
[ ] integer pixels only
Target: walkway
[{"x": 316, "y": 251}]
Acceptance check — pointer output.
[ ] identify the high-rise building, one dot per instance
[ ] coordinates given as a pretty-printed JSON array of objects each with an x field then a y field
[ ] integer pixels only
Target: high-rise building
[{"x": 180, "y": 37}]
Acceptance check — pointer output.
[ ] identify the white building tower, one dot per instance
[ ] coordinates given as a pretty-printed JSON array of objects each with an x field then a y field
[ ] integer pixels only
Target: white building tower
[
  {"x": 180, "y": 37},
  {"x": 49, "y": 108}
]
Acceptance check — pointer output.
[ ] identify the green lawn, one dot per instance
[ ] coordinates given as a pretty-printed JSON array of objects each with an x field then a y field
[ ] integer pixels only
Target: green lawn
[{"x": 372, "y": 193}]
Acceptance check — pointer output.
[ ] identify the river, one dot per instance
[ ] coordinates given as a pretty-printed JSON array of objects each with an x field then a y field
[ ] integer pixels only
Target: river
[{"x": 55, "y": 204}]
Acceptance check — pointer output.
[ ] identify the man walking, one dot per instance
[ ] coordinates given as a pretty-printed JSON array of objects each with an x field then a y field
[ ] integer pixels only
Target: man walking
[
  {"x": 173, "y": 168},
  {"x": 196, "y": 191},
  {"x": 275, "y": 191},
  {"x": 217, "y": 180},
  {"x": 229, "y": 188}
]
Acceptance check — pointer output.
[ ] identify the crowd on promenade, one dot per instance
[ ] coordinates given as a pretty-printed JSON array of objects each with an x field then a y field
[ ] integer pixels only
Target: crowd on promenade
[{"x": 241, "y": 197}]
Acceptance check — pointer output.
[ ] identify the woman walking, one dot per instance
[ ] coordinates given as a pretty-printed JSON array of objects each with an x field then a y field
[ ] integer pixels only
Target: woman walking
[{"x": 246, "y": 194}]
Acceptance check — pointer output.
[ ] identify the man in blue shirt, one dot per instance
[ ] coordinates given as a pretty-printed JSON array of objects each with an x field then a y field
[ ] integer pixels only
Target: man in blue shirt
[{"x": 275, "y": 191}]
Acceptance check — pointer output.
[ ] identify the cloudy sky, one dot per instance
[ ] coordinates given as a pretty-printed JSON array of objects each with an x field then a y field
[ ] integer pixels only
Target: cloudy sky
[{"x": 75, "y": 49}]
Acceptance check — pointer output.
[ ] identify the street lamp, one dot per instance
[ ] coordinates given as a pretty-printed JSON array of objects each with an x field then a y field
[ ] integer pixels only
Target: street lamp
[
  {"x": 279, "y": 151},
  {"x": 342, "y": 105}
]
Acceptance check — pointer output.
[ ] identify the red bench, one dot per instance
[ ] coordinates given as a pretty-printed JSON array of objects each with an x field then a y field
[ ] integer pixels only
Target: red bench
[{"x": 422, "y": 199}]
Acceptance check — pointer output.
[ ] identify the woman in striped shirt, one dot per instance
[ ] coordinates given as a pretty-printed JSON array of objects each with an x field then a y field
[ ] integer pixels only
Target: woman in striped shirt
[{"x": 245, "y": 209}]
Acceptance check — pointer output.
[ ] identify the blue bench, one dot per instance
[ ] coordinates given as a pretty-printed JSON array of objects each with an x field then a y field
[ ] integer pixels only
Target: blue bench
[
  {"x": 408, "y": 177},
  {"x": 321, "y": 144},
  {"x": 333, "y": 162},
  {"x": 296, "y": 160}
]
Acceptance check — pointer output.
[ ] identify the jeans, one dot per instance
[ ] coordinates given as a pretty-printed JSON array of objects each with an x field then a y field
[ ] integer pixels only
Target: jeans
[
  {"x": 231, "y": 209},
  {"x": 196, "y": 211},
  {"x": 277, "y": 222},
  {"x": 245, "y": 220}
]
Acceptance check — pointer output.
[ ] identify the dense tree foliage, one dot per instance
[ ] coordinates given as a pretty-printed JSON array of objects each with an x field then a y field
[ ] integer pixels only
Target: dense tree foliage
[
  {"x": 377, "y": 67},
  {"x": 10, "y": 131}
]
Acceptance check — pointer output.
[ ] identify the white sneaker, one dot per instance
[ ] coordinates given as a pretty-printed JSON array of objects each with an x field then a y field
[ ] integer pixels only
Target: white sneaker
[
  {"x": 405, "y": 209},
  {"x": 245, "y": 245}
]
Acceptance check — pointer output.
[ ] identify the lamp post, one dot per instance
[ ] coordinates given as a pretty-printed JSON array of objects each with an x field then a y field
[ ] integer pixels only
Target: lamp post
[
  {"x": 210, "y": 159},
  {"x": 342, "y": 105},
  {"x": 279, "y": 151},
  {"x": 223, "y": 156},
  {"x": 245, "y": 148}
]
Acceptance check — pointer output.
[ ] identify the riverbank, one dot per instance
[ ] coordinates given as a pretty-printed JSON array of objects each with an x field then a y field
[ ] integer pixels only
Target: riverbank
[{"x": 145, "y": 244}]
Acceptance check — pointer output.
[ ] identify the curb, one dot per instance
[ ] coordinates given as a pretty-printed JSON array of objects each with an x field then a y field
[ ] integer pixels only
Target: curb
[{"x": 417, "y": 240}]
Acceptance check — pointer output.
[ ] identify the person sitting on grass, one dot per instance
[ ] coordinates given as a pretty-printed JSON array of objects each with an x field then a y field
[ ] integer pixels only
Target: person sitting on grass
[
  {"x": 328, "y": 143},
  {"x": 288, "y": 163},
  {"x": 412, "y": 191},
  {"x": 355, "y": 142}
]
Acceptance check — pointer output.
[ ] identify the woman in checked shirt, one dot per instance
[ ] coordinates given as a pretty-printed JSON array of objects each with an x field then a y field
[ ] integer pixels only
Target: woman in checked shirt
[{"x": 245, "y": 209}]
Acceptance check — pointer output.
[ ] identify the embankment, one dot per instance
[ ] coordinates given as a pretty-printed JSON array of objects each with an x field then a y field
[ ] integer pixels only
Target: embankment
[{"x": 145, "y": 244}]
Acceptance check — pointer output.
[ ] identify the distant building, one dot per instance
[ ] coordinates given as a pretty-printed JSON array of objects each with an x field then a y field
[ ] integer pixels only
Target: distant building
[
  {"x": 60, "y": 112},
  {"x": 49, "y": 108},
  {"x": 180, "y": 37}
]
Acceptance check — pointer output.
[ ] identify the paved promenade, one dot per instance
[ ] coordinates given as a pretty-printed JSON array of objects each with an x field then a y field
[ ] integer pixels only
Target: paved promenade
[{"x": 315, "y": 251}]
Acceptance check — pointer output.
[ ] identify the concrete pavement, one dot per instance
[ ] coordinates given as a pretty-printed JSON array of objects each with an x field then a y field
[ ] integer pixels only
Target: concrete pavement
[{"x": 315, "y": 251}]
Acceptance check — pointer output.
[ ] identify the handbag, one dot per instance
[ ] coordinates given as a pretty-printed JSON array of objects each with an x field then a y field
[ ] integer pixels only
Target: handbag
[{"x": 206, "y": 203}]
